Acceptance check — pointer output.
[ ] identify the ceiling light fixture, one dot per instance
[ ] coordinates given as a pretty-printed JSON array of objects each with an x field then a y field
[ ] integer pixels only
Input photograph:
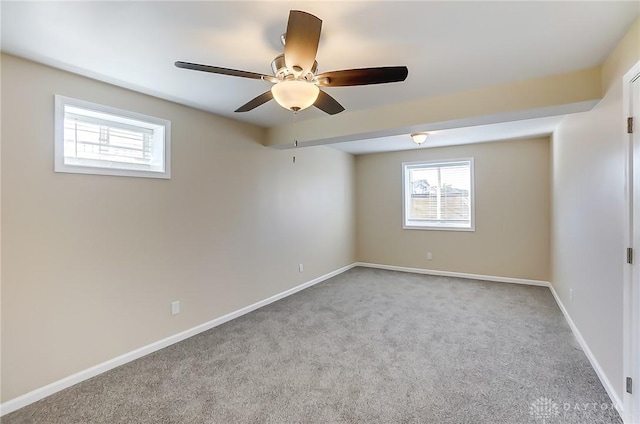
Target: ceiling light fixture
[
  {"x": 419, "y": 138},
  {"x": 295, "y": 95}
]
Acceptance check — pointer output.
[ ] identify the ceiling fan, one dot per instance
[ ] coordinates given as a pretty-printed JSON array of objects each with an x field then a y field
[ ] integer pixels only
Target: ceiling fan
[{"x": 296, "y": 84}]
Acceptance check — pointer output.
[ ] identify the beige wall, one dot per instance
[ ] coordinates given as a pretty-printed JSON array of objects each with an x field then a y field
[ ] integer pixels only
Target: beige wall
[
  {"x": 91, "y": 263},
  {"x": 588, "y": 209},
  {"x": 512, "y": 212}
]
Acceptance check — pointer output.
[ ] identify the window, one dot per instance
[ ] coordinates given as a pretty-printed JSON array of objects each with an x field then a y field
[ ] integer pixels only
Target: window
[
  {"x": 438, "y": 195},
  {"x": 95, "y": 139}
]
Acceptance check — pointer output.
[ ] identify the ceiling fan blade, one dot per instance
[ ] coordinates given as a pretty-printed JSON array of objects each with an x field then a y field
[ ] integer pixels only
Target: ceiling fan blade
[
  {"x": 363, "y": 76},
  {"x": 301, "y": 40},
  {"x": 217, "y": 70},
  {"x": 252, "y": 104},
  {"x": 328, "y": 104}
]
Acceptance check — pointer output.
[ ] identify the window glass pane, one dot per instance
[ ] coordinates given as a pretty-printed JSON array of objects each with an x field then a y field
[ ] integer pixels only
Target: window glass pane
[
  {"x": 454, "y": 190},
  {"x": 423, "y": 193},
  {"x": 84, "y": 140}
]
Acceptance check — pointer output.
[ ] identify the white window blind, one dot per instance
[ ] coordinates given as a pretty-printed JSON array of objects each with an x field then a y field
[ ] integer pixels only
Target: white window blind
[
  {"x": 439, "y": 195},
  {"x": 98, "y": 139}
]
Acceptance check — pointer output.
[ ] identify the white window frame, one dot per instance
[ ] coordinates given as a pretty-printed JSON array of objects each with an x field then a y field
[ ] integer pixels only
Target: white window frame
[
  {"x": 407, "y": 225},
  {"x": 161, "y": 127}
]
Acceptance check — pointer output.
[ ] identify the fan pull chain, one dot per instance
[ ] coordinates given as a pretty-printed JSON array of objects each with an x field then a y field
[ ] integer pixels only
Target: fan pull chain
[
  {"x": 295, "y": 144},
  {"x": 295, "y": 140}
]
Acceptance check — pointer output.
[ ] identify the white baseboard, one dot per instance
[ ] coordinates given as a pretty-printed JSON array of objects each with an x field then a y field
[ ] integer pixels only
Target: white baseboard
[
  {"x": 42, "y": 392},
  {"x": 457, "y": 274},
  {"x": 592, "y": 359}
]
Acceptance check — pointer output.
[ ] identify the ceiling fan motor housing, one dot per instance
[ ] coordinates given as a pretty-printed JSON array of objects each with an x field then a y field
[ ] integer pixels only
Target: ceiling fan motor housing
[{"x": 282, "y": 72}]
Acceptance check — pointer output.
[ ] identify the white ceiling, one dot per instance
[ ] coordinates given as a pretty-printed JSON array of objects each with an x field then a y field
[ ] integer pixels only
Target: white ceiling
[{"x": 447, "y": 46}]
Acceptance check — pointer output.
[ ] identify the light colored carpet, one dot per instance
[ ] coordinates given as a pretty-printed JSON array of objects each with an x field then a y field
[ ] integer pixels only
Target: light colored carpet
[{"x": 367, "y": 346}]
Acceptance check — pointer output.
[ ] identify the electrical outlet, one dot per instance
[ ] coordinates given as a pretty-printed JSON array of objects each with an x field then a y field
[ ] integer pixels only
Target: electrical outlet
[
  {"x": 571, "y": 295},
  {"x": 300, "y": 267},
  {"x": 429, "y": 256},
  {"x": 175, "y": 307}
]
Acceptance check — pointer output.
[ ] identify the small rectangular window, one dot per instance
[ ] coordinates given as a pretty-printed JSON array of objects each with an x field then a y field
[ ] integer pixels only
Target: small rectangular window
[
  {"x": 96, "y": 139},
  {"x": 438, "y": 195}
]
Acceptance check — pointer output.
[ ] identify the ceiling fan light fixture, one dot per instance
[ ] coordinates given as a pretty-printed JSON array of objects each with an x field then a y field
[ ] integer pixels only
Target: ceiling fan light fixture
[
  {"x": 419, "y": 138},
  {"x": 295, "y": 95}
]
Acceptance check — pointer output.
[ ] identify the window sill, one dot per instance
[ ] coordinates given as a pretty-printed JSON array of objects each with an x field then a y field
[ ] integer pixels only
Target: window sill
[{"x": 438, "y": 228}]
